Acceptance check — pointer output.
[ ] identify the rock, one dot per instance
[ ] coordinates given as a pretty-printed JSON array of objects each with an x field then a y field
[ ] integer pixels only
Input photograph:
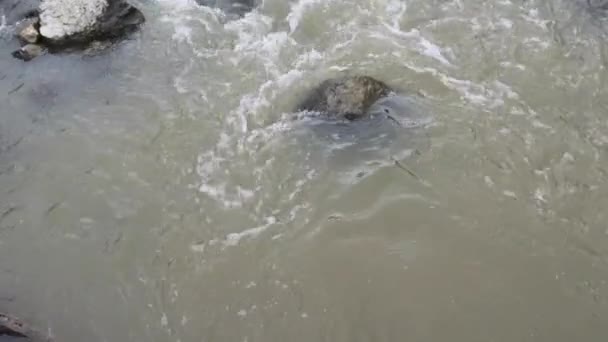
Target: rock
[
  {"x": 63, "y": 19},
  {"x": 28, "y": 31},
  {"x": 70, "y": 23},
  {"x": 236, "y": 8},
  {"x": 13, "y": 327},
  {"x": 29, "y": 52},
  {"x": 346, "y": 97},
  {"x": 10, "y": 326}
]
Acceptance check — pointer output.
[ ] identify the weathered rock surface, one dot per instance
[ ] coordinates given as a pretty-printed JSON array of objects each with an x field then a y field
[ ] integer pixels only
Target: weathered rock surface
[
  {"x": 68, "y": 25},
  {"x": 29, "y": 52},
  {"x": 62, "y": 19},
  {"x": 27, "y": 30},
  {"x": 13, "y": 327},
  {"x": 345, "y": 98},
  {"x": 236, "y": 8},
  {"x": 80, "y": 22}
]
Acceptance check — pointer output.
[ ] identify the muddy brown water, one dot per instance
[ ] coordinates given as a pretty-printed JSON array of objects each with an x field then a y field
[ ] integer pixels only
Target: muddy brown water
[{"x": 163, "y": 191}]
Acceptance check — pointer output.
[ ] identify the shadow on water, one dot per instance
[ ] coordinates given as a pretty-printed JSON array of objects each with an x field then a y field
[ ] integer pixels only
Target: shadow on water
[{"x": 395, "y": 129}]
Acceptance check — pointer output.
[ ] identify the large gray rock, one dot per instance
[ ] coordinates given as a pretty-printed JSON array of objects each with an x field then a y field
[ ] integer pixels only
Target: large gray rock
[
  {"x": 81, "y": 22},
  {"x": 64, "y": 19},
  {"x": 345, "y": 98},
  {"x": 233, "y": 8},
  {"x": 60, "y": 25}
]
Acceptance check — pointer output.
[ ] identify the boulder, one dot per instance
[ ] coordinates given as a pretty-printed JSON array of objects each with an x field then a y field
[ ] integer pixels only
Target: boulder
[
  {"x": 79, "y": 22},
  {"x": 233, "y": 8},
  {"x": 345, "y": 98},
  {"x": 68, "y": 25}
]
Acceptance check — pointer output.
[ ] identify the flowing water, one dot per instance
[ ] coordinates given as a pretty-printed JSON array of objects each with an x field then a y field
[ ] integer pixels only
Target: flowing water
[{"x": 166, "y": 191}]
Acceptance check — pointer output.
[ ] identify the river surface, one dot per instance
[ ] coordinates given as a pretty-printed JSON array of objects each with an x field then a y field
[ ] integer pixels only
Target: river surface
[{"x": 166, "y": 191}]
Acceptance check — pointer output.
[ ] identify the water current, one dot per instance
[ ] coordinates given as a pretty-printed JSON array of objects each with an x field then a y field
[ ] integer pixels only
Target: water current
[{"x": 167, "y": 190}]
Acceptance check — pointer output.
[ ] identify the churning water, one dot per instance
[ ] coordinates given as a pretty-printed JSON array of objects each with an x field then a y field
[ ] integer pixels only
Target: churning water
[{"x": 166, "y": 191}]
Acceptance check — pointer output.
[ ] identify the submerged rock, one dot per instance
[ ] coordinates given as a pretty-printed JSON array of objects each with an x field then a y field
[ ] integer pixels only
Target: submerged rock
[
  {"x": 28, "y": 52},
  {"x": 345, "y": 98},
  {"x": 236, "y": 8},
  {"x": 77, "y": 25}
]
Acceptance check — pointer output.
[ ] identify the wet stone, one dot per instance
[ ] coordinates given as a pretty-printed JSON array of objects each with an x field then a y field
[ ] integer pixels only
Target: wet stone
[
  {"x": 345, "y": 98},
  {"x": 76, "y": 26},
  {"x": 28, "y": 31},
  {"x": 28, "y": 52},
  {"x": 13, "y": 329}
]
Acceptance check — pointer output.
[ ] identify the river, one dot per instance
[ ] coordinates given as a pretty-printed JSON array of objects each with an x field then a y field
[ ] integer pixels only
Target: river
[{"x": 164, "y": 192}]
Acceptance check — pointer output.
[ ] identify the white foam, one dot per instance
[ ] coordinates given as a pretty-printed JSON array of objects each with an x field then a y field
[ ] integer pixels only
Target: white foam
[
  {"x": 250, "y": 30},
  {"x": 268, "y": 91},
  {"x": 533, "y": 17},
  {"x": 540, "y": 196},
  {"x": 179, "y": 4},
  {"x": 418, "y": 42},
  {"x": 235, "y": 238},
  {"x": 432, "y": 50},
  {"x": 5, "y": 30},
  {"x": 395, "y": 9},
  {"x": 212, "y": 186},
  {"x": 492, "y": 95},
  {"x": 506, "y": 23},
  {"x": 183, "y": 33},
  {"x": 489, "y": 182},
  {"x": 510, "y": 194},
  {"x": 298, "y": 9},
  {"x": 199, "y": 247}
]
